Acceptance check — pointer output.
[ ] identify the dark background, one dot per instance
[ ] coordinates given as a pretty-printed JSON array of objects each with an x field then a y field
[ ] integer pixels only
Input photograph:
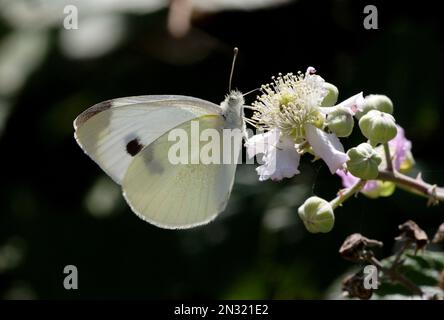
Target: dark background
[{"x": 51, "y": 217}]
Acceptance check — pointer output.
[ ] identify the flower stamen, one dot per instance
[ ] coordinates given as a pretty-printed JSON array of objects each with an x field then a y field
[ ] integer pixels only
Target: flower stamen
[{"x": 290, "y": 102}]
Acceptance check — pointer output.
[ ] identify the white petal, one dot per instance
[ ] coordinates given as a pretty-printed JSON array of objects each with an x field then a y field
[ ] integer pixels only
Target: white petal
[
  {"x": 260, "y": 143},
  {"x": 354, "y": 103},
  {"x": 287, "y": 159},
  {"x": 326, "y": 146},
  {"x": 281, "y": 160}
]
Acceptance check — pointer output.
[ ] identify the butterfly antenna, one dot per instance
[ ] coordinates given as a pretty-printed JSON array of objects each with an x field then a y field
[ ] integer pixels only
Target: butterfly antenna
[
  {"x": 251, "y": 91},
  {"x": 235, "y": 51}
]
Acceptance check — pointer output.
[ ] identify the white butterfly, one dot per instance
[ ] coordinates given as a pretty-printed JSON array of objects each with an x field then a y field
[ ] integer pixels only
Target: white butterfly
[{"x": 128, "y": 139}]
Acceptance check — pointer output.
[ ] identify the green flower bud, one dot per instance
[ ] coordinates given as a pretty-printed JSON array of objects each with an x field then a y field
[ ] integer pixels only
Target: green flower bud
[
  {"x": 317, "y": 215},
  {"x": 375, "y": 102},
  {"x": 364, "y": 161},
  {"x": 378, "y": 127},
  {"x": 332, "y": 95},
  {"x": 341, "y": 122}
]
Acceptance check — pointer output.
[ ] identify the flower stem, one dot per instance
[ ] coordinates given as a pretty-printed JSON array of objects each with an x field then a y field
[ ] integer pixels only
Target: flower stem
[
  {"x": 417, "y": 186},
  {"x": 344, "y": 194},
  {"x": 388, "y": 157}
]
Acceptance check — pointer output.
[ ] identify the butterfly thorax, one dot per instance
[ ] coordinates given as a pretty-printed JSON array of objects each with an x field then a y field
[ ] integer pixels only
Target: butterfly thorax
[{"x": 233, "y": 109}]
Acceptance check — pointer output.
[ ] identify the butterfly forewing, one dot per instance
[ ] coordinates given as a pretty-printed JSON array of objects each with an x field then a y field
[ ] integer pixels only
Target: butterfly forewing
[{"x": 113, "y": 132}]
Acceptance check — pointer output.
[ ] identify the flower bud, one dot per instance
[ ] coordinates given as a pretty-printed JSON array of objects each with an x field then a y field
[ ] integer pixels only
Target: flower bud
[
  {"x": 375, "y": 102},
  {"x": 317, "y": 215},
  {"x": 364, "y": 161},
  {"x": 332, "y": 95},
  {"x": 378, "y": 127},
  {"x": 340, "y": 121}
]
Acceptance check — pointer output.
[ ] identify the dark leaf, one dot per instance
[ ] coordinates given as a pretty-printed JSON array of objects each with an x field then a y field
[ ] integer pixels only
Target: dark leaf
[
  {"x": 439, "y": 235},
  {"x": 355, "y": 247},
  {"x": 412, "y": 233}
]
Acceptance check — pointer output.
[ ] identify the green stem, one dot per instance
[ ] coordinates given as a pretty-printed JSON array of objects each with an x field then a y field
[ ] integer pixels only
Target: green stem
[
  {"x": 417, "y": 186},
  {"x": 344, "y": 194},
  {"x": 388, "y": 157}
]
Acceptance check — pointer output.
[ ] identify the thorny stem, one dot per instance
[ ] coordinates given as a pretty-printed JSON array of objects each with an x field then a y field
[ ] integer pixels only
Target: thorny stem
[
  {"x": 417, "y": 186},
  {"x": 433, "y": 193},
  {"x": 344, "y": 194},
  {"x": 388, "y": 157}
]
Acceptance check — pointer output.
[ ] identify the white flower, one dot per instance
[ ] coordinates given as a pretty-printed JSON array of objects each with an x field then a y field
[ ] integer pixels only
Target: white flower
[
  {"x": 290, "y": 110},
  {"x": 327, "y": 147},
  {"x": 281, "y": 160}
]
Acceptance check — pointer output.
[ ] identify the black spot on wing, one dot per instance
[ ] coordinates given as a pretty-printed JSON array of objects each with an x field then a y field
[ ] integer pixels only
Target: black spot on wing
[{"x": 133, "y": 147}]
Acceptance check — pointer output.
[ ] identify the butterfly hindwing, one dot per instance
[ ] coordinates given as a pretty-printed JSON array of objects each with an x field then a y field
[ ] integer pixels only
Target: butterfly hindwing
[{"x": 173, "y": 195}]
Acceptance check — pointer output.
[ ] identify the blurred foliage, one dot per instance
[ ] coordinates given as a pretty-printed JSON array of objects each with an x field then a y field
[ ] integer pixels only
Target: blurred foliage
[
  {"x": 58, "y": 208},
  {"x": 423, "y": 269}
]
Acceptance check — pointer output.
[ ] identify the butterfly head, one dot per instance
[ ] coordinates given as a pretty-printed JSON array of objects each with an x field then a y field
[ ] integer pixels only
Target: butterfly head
[
  {"x": 235, "y": 99},
  {"x": 232, "y": 108},
  {"x": 233, "y": 102}
]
